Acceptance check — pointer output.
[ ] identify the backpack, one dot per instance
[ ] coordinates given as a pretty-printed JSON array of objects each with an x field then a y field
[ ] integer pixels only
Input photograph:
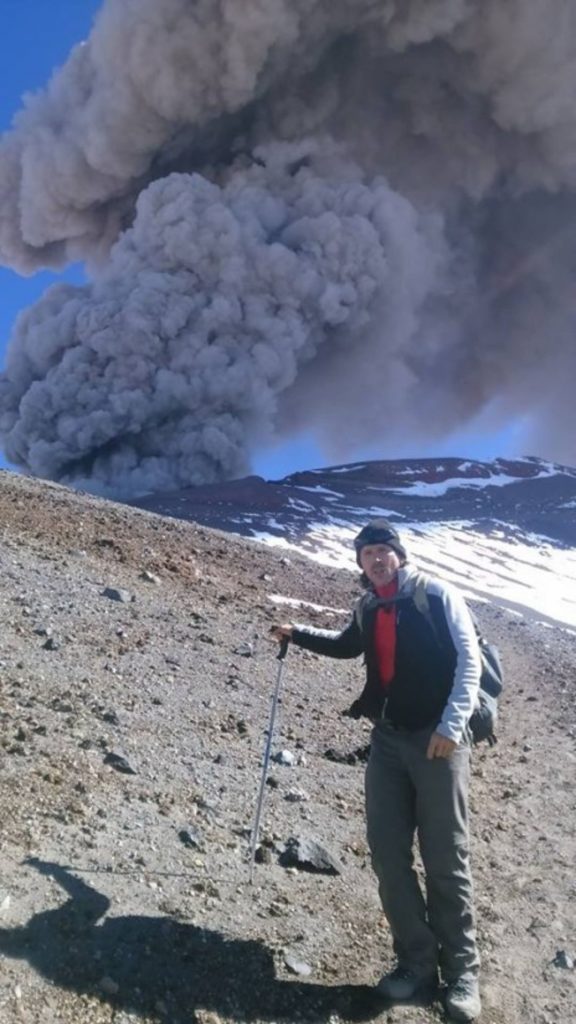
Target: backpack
[{"x": 483, "y": 720}]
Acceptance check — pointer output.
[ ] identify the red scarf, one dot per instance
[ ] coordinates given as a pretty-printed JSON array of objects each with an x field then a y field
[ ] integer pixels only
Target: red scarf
[{"x": 385, "y": 635}]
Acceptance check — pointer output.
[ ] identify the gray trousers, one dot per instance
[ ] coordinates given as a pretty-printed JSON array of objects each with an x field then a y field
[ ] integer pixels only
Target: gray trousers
[{"x": 406, "y": 793}]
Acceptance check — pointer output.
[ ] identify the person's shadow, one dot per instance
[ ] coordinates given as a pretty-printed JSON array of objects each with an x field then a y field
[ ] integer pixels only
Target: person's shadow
[{"x": 162, "y": 966}]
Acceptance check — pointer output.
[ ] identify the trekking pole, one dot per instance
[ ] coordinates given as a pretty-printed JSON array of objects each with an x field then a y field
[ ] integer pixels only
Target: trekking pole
[{"x": 256, "y": 829}]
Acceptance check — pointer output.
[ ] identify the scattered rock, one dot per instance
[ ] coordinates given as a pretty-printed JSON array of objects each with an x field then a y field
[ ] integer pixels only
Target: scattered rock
[
  {"x": 285, "y": 757},
  {"x": 190, "y": 838},
  {"x": 296, "y": 966},
  {"x": 295, "y": 796},
  {"x": 563, "y": 960},
  {"x": 309, "y": 855},
  {"x": 119, "y": 763},
  {"x": 245, "y": 650},
  {"x": 205, "y": 638},
  {"x": 149, "y": 577},
  {"x": 115, "y": 594},
  {"x": 51, "y": 644},
  {"x": 352, "y": 757},
  {"x": 64, "y": 707}
]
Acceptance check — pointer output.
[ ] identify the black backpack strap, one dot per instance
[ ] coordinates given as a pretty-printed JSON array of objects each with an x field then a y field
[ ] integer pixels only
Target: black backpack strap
[
  {"x": 420, "y": 598},
  {"x": 371, "y": 602}
]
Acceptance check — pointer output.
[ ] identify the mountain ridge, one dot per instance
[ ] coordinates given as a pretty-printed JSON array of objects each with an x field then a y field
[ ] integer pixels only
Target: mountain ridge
[{"x": 475, "y": 522}]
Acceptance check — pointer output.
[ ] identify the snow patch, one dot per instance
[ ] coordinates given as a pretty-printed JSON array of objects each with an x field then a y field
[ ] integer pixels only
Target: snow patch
[
  {"x": 523, "y": 572},
  {"x": 294, "y": 602},
  {"x": 318, "y": 489}
]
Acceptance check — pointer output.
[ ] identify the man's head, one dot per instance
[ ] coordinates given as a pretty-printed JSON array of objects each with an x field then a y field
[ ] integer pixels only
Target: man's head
[{"x": 379, "y": 551}]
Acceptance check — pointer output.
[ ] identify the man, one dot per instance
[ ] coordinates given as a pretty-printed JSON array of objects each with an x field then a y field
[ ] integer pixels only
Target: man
[{"x": 422, "y": 680}]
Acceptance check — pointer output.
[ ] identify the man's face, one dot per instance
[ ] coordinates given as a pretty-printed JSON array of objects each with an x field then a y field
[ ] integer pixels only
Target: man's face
[{"x": 380, "y": 563}]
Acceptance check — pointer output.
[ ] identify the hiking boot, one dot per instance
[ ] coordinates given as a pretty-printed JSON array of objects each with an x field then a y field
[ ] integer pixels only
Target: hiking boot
[
  {"x": 404, "y": 983},
  {"x": 463, "y": 998}
]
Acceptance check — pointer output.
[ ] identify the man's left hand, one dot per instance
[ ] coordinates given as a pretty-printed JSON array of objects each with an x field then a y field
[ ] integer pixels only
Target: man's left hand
[{"x": 440, "y": 746}]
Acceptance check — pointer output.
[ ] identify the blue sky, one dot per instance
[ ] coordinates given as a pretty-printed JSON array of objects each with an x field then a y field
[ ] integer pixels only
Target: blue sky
[{"x": 27, "y": 60}]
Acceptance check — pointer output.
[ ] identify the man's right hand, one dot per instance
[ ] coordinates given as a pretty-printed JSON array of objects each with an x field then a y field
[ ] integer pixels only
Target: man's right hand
[{"x": 283, "y": 632}]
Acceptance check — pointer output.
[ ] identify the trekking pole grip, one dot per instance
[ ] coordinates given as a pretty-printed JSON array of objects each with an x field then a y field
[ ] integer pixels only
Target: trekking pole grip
[{"x": 284, "y": 644}]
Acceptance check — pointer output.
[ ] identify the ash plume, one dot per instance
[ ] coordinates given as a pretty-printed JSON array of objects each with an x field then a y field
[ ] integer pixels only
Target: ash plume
[{"x": 350, "y": 215}]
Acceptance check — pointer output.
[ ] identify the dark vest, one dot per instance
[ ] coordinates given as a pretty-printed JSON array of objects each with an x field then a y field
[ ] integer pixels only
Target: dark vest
[{"x": 424, "y": 668}]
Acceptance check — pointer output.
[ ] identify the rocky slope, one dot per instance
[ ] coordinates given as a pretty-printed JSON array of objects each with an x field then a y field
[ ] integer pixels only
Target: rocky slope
[{"x": 136, "y": 677}]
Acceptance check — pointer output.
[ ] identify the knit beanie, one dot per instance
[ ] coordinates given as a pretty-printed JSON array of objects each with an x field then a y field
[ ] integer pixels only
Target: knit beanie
[{"x": 380, "y": 531}]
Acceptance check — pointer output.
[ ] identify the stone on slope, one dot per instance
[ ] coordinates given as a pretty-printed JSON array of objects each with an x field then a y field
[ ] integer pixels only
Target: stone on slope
[
  {"x": 297, "y": 966},
  {"x": 119, "y": 763},
  {"x": 189, "y": 837},
  {"x": 308, "y": 854},
  {"x": 117, "y": 594}
]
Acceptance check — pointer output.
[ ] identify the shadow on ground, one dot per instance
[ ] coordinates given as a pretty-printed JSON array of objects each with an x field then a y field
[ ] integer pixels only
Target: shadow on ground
[{"x": 165, "y": 967}]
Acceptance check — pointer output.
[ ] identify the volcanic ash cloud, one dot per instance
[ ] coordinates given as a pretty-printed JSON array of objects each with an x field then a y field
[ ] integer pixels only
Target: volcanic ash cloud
[{"x": 350, "y": 216}]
